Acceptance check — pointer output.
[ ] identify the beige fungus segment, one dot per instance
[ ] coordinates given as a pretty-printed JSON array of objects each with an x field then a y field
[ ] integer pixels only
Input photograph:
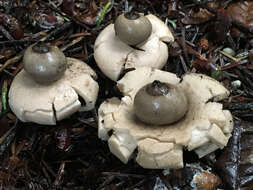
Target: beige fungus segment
[
  {"x": 105, "y": 112},
  {"x": 159, "y": 29},
  {"x": 217, "y": 136},
  {"x": 228, "y": 127},
  {"x": 206, "y": 149},
  {"x": 205, "y": 127},
  {"x": 155, "y": 55},
  {"x": 113, "y": 56},
  {"x": 122, "y": 144},
  {"x": 155, "y": 154},
  {"x": 46, "y": 103},
  {"x": 110, "y": 53},
  {"x": 133, "y": 81}
]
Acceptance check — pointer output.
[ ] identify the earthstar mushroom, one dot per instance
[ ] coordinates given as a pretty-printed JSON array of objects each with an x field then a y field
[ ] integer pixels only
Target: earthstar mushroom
[
  {"x": 113, "y": 56},
  {"x": 46, "y": 101},
  {"x": 204, "y": 128}
]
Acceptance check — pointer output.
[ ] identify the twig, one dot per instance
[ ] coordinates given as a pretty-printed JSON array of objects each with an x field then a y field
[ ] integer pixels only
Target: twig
[
  {"x": 59, "y": 179},
  {"x": 49, "y": 169},
  {"x": 106, "y": 182},
  {"x": 138, "y": 184},
  {"x": 122, "y": 174},
  {"x": 230, "y": 56},
  {"x": 184, "y": 44},
  {"x": 57, "y": 30},
  {"x": 229, "y": 66},
  {"x": 165, "y": 181},
  {"x": 75, "y": 41},
  {"x": 6, "y": 140},
  {"x": 190, "y": 49},
  {"x": 6, "y": 33},
  {"x": 183, "y": 63},
  {"x": 2, "y": 138},
  {"x": 11, "y": 61},
  {"x": 11, "y": 42}
]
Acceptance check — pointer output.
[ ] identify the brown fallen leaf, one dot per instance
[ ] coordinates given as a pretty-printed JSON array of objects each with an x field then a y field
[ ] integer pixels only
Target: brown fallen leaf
[
  {"x": 89, "y": 18},
  {"x": 217, "y": 31},
  {"x": 12, "y": 25},
  {"x": 242, "y": 11},
  {"x": 235, "y": 165},
  {"x": 193, "y": 176},
  {"x": 203, "y": 65},
  {"x": 198, "y": 15},
  {"x": 68, "y": 7},
  {"x": 62, "y": 137}
]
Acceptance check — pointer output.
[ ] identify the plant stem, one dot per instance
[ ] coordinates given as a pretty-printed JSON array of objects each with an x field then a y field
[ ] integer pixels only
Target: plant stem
[
  {"x": 103, "y": 12},
  {"x": 4, "y": 94}
]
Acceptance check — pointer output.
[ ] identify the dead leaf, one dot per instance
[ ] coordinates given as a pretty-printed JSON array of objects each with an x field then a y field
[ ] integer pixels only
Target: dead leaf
[
  {"x": 62, "y": 137},
  {"x": 202, "y": 65},
  {"x": 68, "y": 7},
  {"x": 235, "y": 165},
  {"x": 193, "y": 176},
  {"x": 89, "y": 19},
  {"x": 198, "y": 15},
  {"x": 242, "y": 11},
  {"x": 217, "y": 31},
  {"x": 12, "y": 25}
]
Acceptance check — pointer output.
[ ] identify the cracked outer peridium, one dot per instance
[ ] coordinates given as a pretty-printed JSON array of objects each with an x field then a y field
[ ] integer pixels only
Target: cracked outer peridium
[
  {"x": 113, "y": 56},
  {"x": 205, "y": 127},
  {"x": 47, "y": 103}
]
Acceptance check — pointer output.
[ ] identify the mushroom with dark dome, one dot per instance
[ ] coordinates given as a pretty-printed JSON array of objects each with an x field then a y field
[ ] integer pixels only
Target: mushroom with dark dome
[
  {"x": 48, "y": 88},
  {"x": 160, "y": 114},
  {"x": 133, "y": 41}
]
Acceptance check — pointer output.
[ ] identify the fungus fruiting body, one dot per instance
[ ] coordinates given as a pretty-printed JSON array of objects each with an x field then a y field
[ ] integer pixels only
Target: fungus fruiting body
[
  {"x": 151, "y": 49},
  {"x": 48, "y": 88},
  {"x": 132, "y": 28},
  {"x": 203, "y": 125}
]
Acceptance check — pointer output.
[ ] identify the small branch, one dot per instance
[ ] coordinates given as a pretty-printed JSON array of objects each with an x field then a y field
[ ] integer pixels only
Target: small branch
[
  {"x": 11, "y": 61},
  {"x": 6, "y": 33}
]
